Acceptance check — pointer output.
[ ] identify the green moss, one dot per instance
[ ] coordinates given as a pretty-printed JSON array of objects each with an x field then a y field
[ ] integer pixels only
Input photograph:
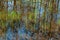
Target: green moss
[{"x": 58, "y": 21}]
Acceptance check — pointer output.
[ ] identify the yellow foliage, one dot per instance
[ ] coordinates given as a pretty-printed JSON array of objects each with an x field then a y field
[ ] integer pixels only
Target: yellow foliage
[{"x": 3, "y": 16}]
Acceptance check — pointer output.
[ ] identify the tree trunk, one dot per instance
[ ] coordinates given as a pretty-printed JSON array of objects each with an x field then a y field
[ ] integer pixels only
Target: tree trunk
[
  {"x": 2, "y": 6},
  {"x": 15, "y": 5},
  {"x": 6, "y": 6}
]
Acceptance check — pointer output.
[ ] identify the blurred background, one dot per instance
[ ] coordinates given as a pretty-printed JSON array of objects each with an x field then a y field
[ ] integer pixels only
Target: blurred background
[{"x": 29, "y": 19}]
